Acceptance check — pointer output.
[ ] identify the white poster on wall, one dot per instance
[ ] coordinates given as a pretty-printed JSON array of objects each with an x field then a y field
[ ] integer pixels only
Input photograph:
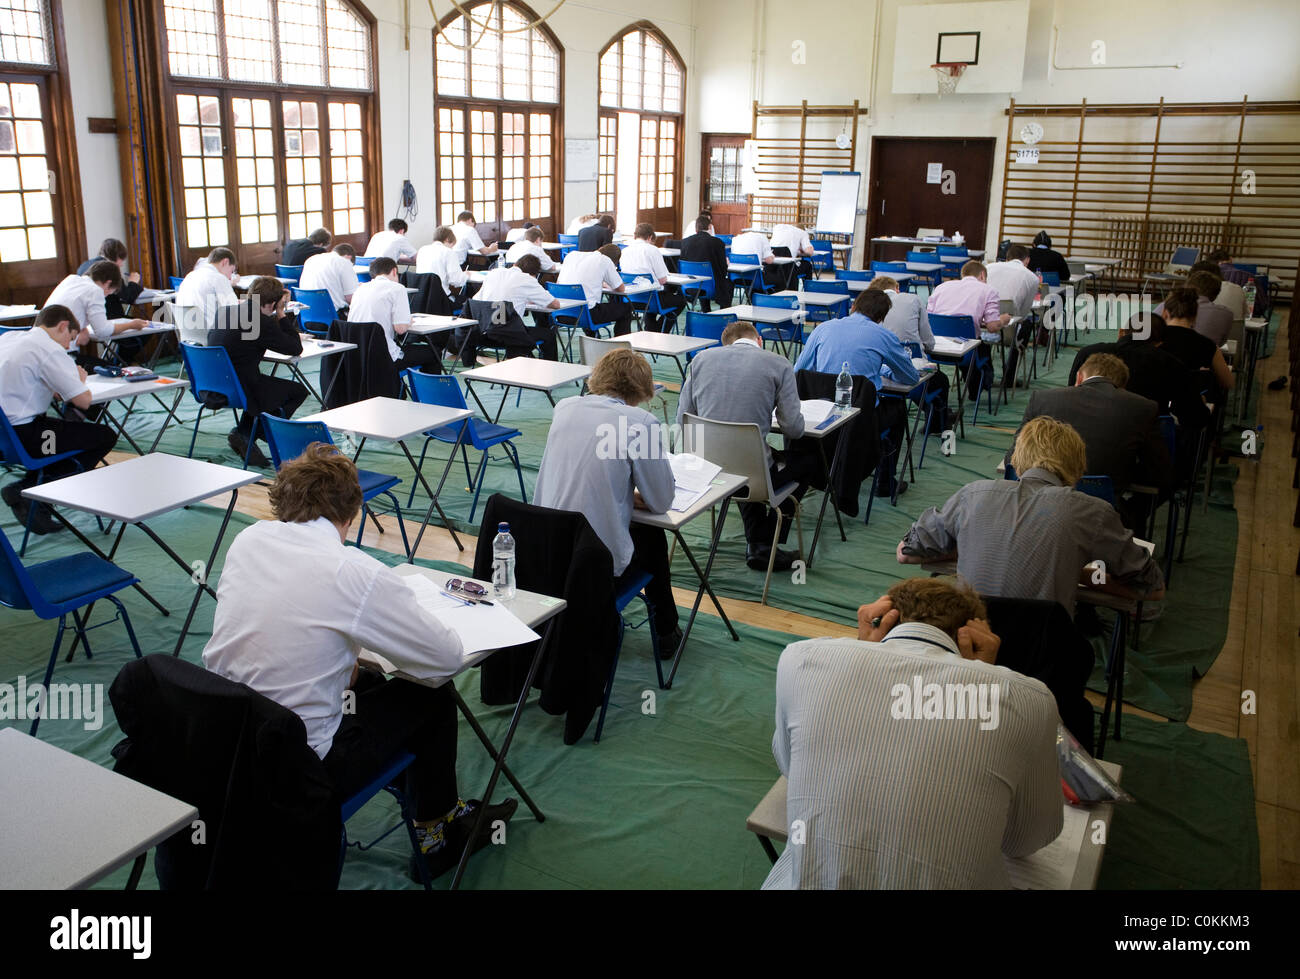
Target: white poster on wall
[
  {"x": 1027, "y": 154},
  {"x": 934, "y": 173},
  {"x": 581, "y": 160}
]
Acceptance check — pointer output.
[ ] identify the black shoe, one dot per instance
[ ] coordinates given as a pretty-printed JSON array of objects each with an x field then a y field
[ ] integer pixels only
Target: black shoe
[
  {"x": 891, "y": 491},
  {"x": 1277, "y": 384},
  {"x": 13, "y": 496},
  {"x": 668, "y": 643},
  {"x": 757, "y": 560},
  {"x": 43, "y": 520},
  {"x": 238, "y": 441},
  {"x": 443, "y": 851}
]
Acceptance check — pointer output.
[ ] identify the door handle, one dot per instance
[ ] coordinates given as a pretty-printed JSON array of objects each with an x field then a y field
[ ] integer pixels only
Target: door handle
[{"x": 882, "y": 207}]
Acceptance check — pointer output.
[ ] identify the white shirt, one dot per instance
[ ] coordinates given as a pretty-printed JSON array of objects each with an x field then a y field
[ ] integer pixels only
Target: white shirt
[
  {"x": 33, "y": 369},
  {"x": 389, "y": 244},
  {"x": 86, "y": 300},
  {"x": 751, "y": 243},
  {"x": 1014, "y": 281},
  {"x": 294, "y": 609},
  {"x": 1233, "y": 297},
  {"x": 333, "y": 273},
  {"x": 795, "y": 239},
  {"x": 385, "y": 302},
  {"x": 577, "y": 224},
  {"x": 207, "y": 289},
  {"x": 642, "y": 257},
  {"x": 511, "y": 285},
  {"x": 467, "y": 240},
  {"x": 521, "y": 248},
  {"x": 441, "y": 261},
  {"x": 593, "y": 271},
  {"x": 890, "y": 801},
  {"x": 515, "y": 234}
]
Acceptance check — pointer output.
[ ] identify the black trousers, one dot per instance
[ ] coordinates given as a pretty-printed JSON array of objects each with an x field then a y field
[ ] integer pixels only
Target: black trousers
[
  {"x": 519, "y": 341},
  {"x": 759, "y": 518},
  {"x": 650, "y": 556},
  {"x": 618, "y": 313},
  {"x": 723, "y": 293},
  {"x": 891, "y": 414},
  {"x": 672, "y": 301},
  {"x": 48, "y": 435},
  {"x": 393, "y": 716},
  {"x": 278, "y": 395}
]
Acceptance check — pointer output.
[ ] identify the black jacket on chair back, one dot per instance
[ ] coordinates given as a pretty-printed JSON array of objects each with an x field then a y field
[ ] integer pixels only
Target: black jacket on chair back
[
  {"x": 863, "y": 452},
  {"x": 367, "y": 372},
  {"x": 270, "y": 819},
  {"x": 558, "y": 554}
]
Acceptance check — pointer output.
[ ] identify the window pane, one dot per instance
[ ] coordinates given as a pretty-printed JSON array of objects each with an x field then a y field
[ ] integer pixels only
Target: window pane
[
  {"x": 249, "y": 56},
  {"x": 301, "y": 57},
  {"x": 202, "y": 173},
  {"x": 346, "y": 169},
  {"x": 347, "y": 39},
  {"x": 26, "y": 218},
  {"x": 192, "y": 45},
  {"x": 24, "y": 34}
]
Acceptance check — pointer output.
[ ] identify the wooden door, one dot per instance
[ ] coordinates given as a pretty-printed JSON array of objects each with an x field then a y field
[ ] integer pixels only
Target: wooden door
[
  {"x": 903, "y": 198},
  {"x": 721, "y": 158},
  {"x": 658, "y": 173}
]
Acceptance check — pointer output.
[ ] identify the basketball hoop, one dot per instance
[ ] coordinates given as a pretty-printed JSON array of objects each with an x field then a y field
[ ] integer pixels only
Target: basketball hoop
[{"x": 949, "y": 74}]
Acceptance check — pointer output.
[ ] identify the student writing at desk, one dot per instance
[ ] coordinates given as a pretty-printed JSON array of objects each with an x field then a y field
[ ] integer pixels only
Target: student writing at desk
[
  {"x": 295, "y": 606},
  {"x": 209, "y": 286},
  {"x": 34, "y": 369},
  {"x": 642, "y": 258},
  {"x": 335, "y": 272},
  {"x": 85, "y": 295},
  {"x": 392, "y": 243},
  {"x": 440, "y": 258},
  {"x": 467, "y": 237},
  {"x": 383, "y": 300},
  {"x": 604, "y": 455},
  {"x": 298, "y": 250},
  {"x": 117, "y": 303}
]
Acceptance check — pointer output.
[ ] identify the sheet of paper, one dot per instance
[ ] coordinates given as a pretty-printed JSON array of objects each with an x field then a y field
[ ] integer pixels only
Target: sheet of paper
[
  {"x": 1052, "y": 868},
  {"x": 691, "y": 472},
  {"x": 948, "y": 345},
  {"x": 480, "y": 627}
]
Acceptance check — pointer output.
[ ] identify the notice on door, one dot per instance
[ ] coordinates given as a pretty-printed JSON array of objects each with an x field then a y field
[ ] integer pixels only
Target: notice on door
[{"x": 934, "y": 173}]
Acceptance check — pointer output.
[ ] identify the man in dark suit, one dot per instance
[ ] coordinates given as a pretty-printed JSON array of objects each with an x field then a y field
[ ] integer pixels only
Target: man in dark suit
[
  {"x": 704, "y": 247},
  {"x": 297, "y": 251},
  {"x": 1120, "y": 429},
  {"x": 599, "y": 235},
  {"x": 1043, "y": 259},
  {"x": 248, "y": 331}
]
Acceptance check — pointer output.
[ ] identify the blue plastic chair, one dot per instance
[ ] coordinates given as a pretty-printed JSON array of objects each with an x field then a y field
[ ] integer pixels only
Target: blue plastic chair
[
  {"x": 444, "y": 389},
  {"x": 1051, "y": 278},
  {"x": 61, "y": 587},
  {"x": 212, "y": 377},
  {"x": 705, "y": 290},
  {"x": 708, "y": 325},
  {"x": 577, "y": 318},
  {"x": 785, "y": 334},
  {"x": 635, "y": 589},
  {"x": 288, "y": 439},
  {"x": 320, "y": 309},
  {"x": 1099, "y": 486},
  {"x": 823, "y": 263},
  {"x": 12, "y": 453},
  {"x": 386, "y": 781},
  {"x": 963, "y": 328},
  {"x": 648, "y": 304},
  {"x": 749, "y": 282},
  {"x": 832, "y": 287},
  {"x": 924, "y": 258},
  {"x": 568, "y": 243},
  {"x": 293, "y": 272},
  {"x": 726, "y": 239},
  {"x": 952, "y": 250},
  {"x": 888, "y": 268},
  {"x": 175, "y": 281},
  {"x": 927, "y": 401}
]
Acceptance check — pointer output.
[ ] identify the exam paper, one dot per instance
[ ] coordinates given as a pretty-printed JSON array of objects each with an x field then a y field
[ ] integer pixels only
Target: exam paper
[
  {"x": 692, "y": 476},
  {"x": 948, "y": 345},
  {"x": 480, "y": 627}
]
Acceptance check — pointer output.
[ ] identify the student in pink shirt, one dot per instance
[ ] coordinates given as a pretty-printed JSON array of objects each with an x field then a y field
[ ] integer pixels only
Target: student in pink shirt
[{"x": 972, "y": 296}]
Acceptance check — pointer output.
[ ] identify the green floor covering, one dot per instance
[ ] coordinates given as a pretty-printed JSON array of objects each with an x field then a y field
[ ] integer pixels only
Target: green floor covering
[{"x": 666, "y": 808}]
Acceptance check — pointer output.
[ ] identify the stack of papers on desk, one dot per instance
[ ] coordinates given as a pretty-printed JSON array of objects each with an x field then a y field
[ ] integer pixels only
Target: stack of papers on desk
[
  {"x": 480, "y": 627},
  {"x": 949, "y": 345},
  {"x": 814, "y": 412},
  {"x": 921, "y": 364},
  {"x": 693, "y": 476}
]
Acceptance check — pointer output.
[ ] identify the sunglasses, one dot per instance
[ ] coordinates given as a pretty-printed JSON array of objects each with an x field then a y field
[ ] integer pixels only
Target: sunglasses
[{"x": 468, "y": 587}]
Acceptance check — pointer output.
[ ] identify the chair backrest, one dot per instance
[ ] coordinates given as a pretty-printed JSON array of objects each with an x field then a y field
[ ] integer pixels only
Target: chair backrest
[
  {"x": 11, "y": 449},
  {"x": 1076, "y": 268},
  {"x": 1051, "y": 278},
  {"x": 174, "y": 281},
  {"x": 913, "y": 349},
  {"x": 288, "y": 272},
  {"x": 1169, "y": 431},
  {"x": 962, "y": 327},
  {"x": 952, "y": 250},
  {"x": 854, "y": 275},
  {"x": 776, "y": 302},
  {"x": 726, "y": 239},
  {"x": 925, "y": 258},
  {"x": 592, "y": 349},
  {"x": 289, "y": 438},
  {"x": 632, "y": 277},
  {"x": 320, "y": 307},
  {"x": 1007, "y": 306},
  {"x": 695, "y": 268},
  {"x": 929, "y": 232},
  {"x": 708, "y": 325},
  {"x": 435, "y": 389},
  {"x": 17, "y": 590},
  {"x": 836, "y": 287},
  {"x": 1004, "y": 246},
  {"x": 567, "y": 291},
  {"x": 888, "y": 266},
  {"x": 211, "y": 372},
  {"x": 1099, "y": 486},
  {"x": 745, "y": 260},
  {"x": 737, "y": 447},
  {"x": 190, "y": 321},
  {"x": 365, "y": 259}
]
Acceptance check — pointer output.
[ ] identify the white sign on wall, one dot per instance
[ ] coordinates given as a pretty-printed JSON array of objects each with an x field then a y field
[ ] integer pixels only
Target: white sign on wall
[
  {"x": 1027, "y": 154},
  {"x": 934, "y": 173},
  {"x": 581, "y": 160}
]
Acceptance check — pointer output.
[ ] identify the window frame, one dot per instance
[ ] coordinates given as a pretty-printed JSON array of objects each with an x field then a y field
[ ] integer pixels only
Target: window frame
[
  {"x": 260, "y": 256},
  {"x": 31, "y": 281},
  {"x": 465, "y": 104}
]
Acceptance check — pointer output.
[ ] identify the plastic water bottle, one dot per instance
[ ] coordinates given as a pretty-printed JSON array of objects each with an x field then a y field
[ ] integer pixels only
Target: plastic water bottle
[
  {"x": 503, "y": 563},
  {"x": 844, "y": 389},
  {"x": 1250, "y": 299}
]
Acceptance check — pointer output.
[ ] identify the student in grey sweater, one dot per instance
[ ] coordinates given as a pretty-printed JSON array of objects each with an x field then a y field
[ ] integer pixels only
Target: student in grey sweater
[{"x": 741, "y": 382}]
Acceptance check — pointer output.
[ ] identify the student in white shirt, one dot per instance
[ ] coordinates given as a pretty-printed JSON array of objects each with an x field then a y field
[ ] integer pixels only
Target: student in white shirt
[
  {"x": 792, "y": 241},
  {"x": 439, "y": 258},
  {"x": 467, "y": 240},
  {"x": 85, "y": 295},
  {"x": 295, "y": 607},
  {"x": 384, "y": 300},
  {"x": 578, "y": 223},
  {"x": 34, "y": 369},
  {"x": 517, "y": 234},
  {"x": 509, "y": 291},
  {"x": 531, "y": 244},
  {"x": 752, "y": 243},
  {"x": 209, "y": 285},
  {"x": 1016, "y": 281},
  {"x": 392, "y": 243},
  {"x": 335, "y": 272},
  {"x": 597, "y": 272},
  {"x": 642, "y": 258}
]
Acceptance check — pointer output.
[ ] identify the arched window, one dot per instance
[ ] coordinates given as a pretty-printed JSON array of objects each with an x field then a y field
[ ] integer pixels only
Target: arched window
[
  {"x": 273, "y": 103},
  {"x": 497, "y": 78},
  {"x": 40, "y": 235},
  {"x": 642, "y": 91}
]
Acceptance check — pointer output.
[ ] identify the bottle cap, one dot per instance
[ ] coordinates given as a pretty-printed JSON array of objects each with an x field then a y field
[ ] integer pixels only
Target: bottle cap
[{"x": 503, "y": 528}]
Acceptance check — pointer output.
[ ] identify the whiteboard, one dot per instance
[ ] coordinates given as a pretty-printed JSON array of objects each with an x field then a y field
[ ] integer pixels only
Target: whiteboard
[
  {"x": 581, "y": 160},
  {"x": 837, "y": 203}
]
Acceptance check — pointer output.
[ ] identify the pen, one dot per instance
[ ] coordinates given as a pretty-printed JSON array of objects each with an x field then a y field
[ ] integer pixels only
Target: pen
[{"x": 828, "y": 421}]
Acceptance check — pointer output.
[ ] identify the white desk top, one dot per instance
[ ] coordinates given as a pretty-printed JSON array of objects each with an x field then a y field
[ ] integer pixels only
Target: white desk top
[
  {"x": 723, "y": 486},
  {"x": 814, "y": 298},
  {"x": 423, "y": 324},
  {"x": 389, "y": 419},
  {"x": 732, "y": 267},
  {"x": 668, "y": 344},
  {"x": 835, "y": 421},
  {"x": 244, "y": 281},
  {"x": 66, "y": 822},
  {"x": 104, "y": 389},
  {"x": 942, "y": 348},
  {"x": 141, "y": 488},
  {"x": 529, "y": 373},
  {"x": 784, "y": 260},
  {"x": 564, "y": 304},
  {"x": 155, "y": 295},
  {"x": 681, "y": 279},
  {"x": 153, "y": 329},
  {"x": 670, "y": 252},
  {"x": 312, "y": 349},
  {"x": 635, "y": 289},
  {"x": 1093, "y": 260},
  {"x": 768, "y": 315},
  {"x": 13, "y": 313},
  {"x": 919, "y": 267}
]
